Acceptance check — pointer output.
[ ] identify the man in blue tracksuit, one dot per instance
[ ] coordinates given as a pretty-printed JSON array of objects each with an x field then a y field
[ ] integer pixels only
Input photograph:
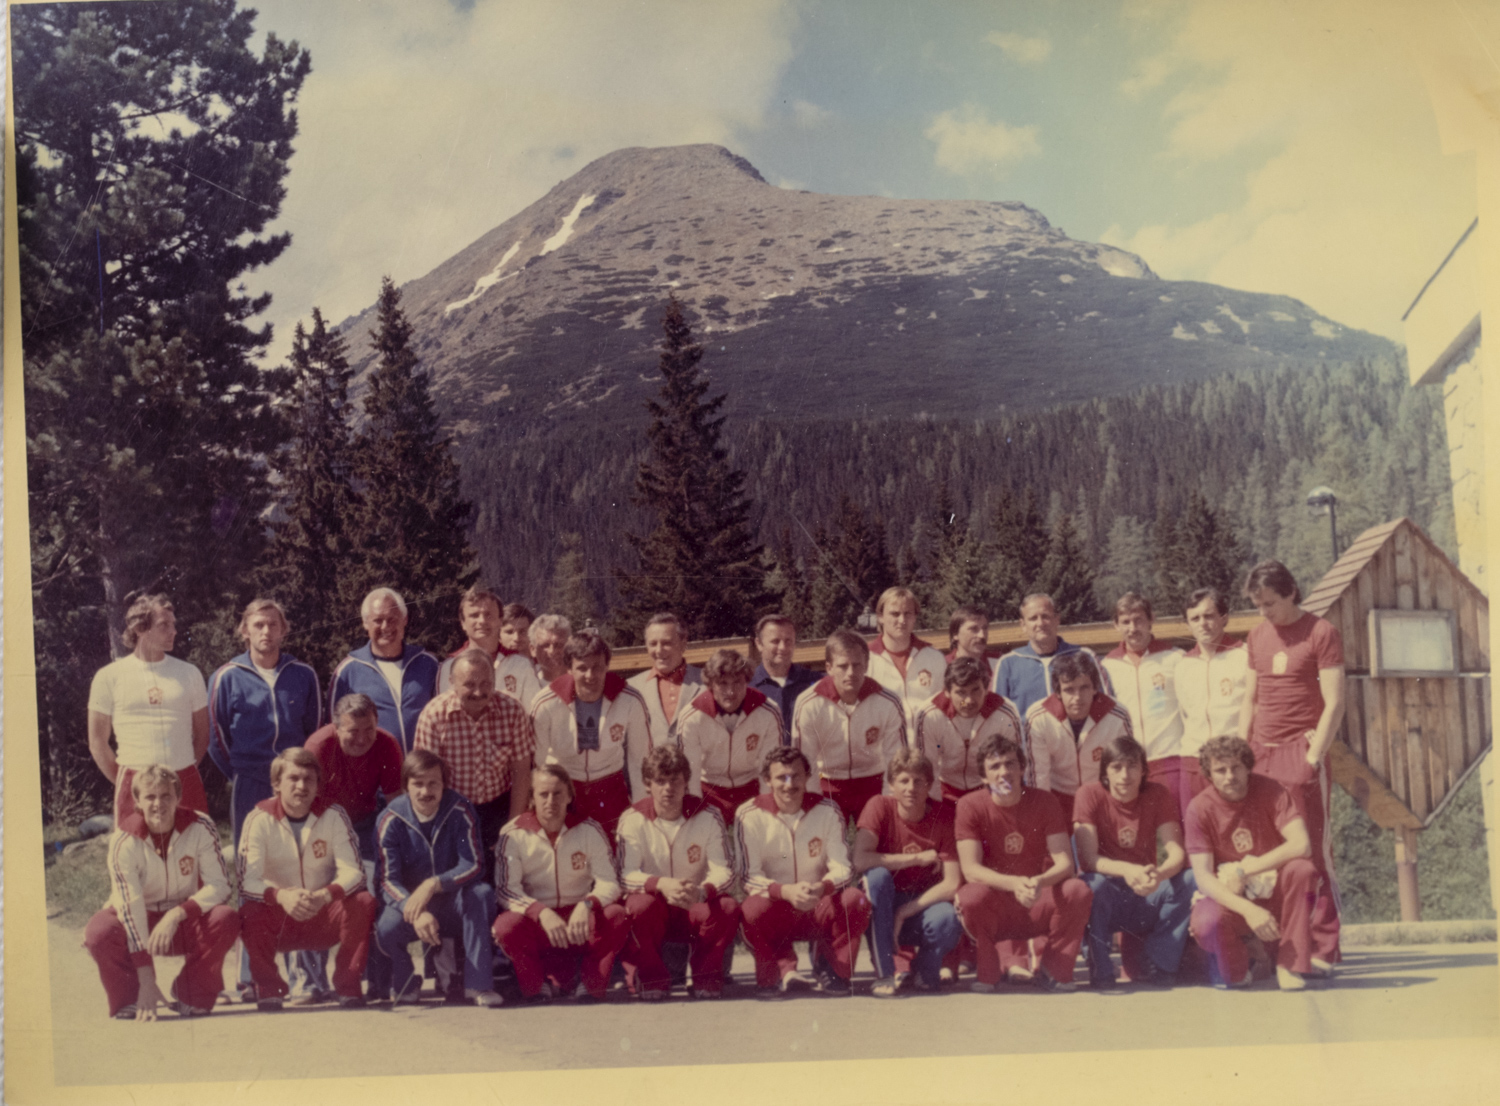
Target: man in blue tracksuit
[
  {"x": 262, "y": 702},
  {"x": 1024, "y": 675},
  {"x": 430, "y": 880},
  {"x": 399, "y": 678}
]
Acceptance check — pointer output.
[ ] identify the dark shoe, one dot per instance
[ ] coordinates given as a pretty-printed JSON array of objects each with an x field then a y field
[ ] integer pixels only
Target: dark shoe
[
  {"x": 831, "y": 983},
  {"x": 1152, "y": 976},
  {"x": 1043, "y": 981},
  {"x": 268, "y": 1005},
  {"x": 351, "y": 1002}
]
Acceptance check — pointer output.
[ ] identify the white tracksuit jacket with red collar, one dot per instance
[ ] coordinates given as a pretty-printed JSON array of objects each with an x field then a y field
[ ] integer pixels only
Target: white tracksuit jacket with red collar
[
  {"x": 192, "y": 874},
  {"x": 721, "y": 757},
  {"x": 515, "y": 675},
  {"x": 535, "y": 873},
  {"x": 925, "y": 668},
  {"x": 939, "y": 737},
  {"x": 811, "y": 849},
  {"x": 845, "y": 745},
  {"x": 624, "y": 732},
  {"x": 272, "y": 856},
  {"x": 1055, "y": 760},
  {"x": 1148, "y": 692},
  {"x": 699, "y": 851},
  {"x": 1210, "y": 691}
]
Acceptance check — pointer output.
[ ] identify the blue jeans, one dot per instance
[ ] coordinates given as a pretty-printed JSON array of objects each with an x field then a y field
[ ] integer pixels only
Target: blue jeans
[
  {"x": 468, "y": 912},
  {"x": 935, "y": 931},
  {"x": 1161, "y": 918}
]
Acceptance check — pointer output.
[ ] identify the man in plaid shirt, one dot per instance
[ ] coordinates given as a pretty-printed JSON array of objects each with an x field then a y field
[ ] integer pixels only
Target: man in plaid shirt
[{"x": 487, "y": 740}]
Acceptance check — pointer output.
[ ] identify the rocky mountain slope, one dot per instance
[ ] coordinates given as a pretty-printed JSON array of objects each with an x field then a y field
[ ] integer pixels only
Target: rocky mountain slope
[{"x": 842, "y": 306}]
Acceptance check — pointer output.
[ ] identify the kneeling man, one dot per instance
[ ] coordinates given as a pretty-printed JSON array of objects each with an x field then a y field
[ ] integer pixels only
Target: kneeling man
[
  {"x": 674, "y": 863},
  {"x": 555, "y": 873},
  {"x": 302, "y": 885},
  {"x": 1014, "y": 848},
  {"x": 1121, "y": 823},
  {"x": 904, "y": 846},
  {"x": 798, "y": 877},
  {"x": 1249, "y": 849},
  {"x": 168, "y": 887},
  {"x": 430, "y": 879}
]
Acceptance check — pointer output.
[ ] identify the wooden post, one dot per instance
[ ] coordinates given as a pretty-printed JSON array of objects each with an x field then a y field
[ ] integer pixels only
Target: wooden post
[{"x": 1406, "y": 874}]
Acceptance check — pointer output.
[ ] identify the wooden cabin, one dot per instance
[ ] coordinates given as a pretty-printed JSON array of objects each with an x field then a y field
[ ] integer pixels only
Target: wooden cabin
[{"x": 1417, "y": 663}]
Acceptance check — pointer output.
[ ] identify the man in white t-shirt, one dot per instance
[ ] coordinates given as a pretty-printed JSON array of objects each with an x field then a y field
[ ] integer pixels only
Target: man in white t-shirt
[{"x": 156, "y": 706}]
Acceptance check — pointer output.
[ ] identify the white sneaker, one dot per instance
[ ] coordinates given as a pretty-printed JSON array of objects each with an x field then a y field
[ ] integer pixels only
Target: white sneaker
[
  {"x": 1289, "y": 980},
  {"x": 1321, "y": 969},
  {"x": 484, "y": 998},
  {"x": 797, "y": 981}
]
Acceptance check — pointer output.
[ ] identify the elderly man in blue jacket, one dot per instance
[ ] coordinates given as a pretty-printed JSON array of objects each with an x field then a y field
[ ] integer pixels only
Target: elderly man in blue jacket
[
  {"x": 430, "y": 880},
  {"x": 398, "y": 677}
]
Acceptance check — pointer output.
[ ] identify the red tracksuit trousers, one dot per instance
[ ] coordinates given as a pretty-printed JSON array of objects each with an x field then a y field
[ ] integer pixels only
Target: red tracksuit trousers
[
  {"x": 345, "y": 922},
  {"x": 1000, "y": 926},
  {"x": 707, "y": 928},
  {"x": 1222, "y": 933},
  {"x": 836, "y": 924},
  {"x": 536, "y": 960},
  {"x": 204, "y": 940}
]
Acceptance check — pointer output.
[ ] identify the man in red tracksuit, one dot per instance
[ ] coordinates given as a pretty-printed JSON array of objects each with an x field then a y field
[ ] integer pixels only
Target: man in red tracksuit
[{"x": 1015, "y": 852}]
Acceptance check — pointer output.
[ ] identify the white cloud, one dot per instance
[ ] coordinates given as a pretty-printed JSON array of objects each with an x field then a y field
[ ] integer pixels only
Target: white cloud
[
  {"x": 967, "y": 142},
  {"x": 423, "y": 126},
  {"x": 1019, "y": 48},
  {"x": 809, "y": 115},
  {"x": 1346, "y": 202}
]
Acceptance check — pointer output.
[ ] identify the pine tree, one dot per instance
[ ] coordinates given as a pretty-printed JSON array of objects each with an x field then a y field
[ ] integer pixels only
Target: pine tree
[
  {"x": 699, "y": 560},
  {"x": 570, "y": 595},
  {"x": 1017, "y": 551},
  {"x": 412, "y": 531},
  {"x": 1067, "y": 575},
  {"x": 788, "y": 579},
  {"x": 853, "y": 568},
  {"x": 1127, "y": 564},
  {"x": 312, "y": 546},
  {"x": 1205, "y": 554}
]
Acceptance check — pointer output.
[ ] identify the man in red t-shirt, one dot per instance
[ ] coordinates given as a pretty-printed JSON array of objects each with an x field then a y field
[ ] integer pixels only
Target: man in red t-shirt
[
  {"x": 904, "y": 847},
  {"x": 1293, "y": 707},
  {"x": 1248, "y": 846},
  {"x": 1121, "y": 822},
  {"x": 1014, "y": 850}
]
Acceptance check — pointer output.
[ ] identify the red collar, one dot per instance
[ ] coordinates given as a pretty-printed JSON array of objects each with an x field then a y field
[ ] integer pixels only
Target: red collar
[
  {"x": 878, "y": 646},
  {"x": 135, "y": 825},
  {"x": 673, "y": 677},
  {"x": 988, "y": 706},
  {"x": 529, "y": 822},
  {"x": 1103, "y": 704},
  {"x": 691, "y": 804},
  {"x": 563, "y": 688},
  {"x": 273, "y": 807},
  {"x": 825, "y": 688},
  {"x": 767, "y": 802},
  {"x": 706, "y": 702},
  {"x": 1225, "y": 644}
]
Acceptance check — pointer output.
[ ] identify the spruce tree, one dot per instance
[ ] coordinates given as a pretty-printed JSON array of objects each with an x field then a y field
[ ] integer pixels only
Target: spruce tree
[
  {"x": 788, "y": 579},
  {"x": 1017, "y": 551},
  {"x": 853, "y": 568},
  {"x": 570, "y": 595},
  {"x": 699, "y": 560},
  {"x": 311, "y": 545},
  {"x": 1067, "y": 576},
  {"x": 412, "y": 530}
]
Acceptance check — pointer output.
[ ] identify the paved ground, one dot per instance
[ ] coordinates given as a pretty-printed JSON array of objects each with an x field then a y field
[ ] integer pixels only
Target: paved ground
[{"x": 1425, "y": 992}]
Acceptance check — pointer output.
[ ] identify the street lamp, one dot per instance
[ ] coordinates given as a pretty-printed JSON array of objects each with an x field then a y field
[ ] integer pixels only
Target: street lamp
[{"x": 1322, "y": 499}]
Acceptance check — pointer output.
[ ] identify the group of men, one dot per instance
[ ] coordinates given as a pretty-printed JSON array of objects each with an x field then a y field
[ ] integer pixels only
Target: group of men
[{"x": 1001, "y": 815}]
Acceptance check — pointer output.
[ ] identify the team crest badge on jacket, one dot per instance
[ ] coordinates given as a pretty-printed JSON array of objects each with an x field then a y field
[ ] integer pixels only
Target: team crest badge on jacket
[
  {"x": 924, "y": 678},
  {"x": 695, "y": 854},
  {"x": 320, "y": 848},
  {"x": 185, "y": 865},
  {"x": 872, "y": 735},
  {"x": 1226, "y": 687},
  {"x": 752, "y": 742},
  {"x": 580, "y": 861},
  {"x": 617, "y": 733},
  {"x": 510, "y": 684},
  {"x": 1243, "y": 839},
  {"x": 815, "y": 847}
]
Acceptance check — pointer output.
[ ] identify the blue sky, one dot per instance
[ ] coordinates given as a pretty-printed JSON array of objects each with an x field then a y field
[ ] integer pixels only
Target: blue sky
[{"x": 1272, "y": 146}]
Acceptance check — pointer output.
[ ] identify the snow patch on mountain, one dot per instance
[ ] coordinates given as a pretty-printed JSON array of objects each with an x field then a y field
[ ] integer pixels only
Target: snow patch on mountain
[
  {"x": 484, "y": 283},
  {"x": 557, "y": 240}
]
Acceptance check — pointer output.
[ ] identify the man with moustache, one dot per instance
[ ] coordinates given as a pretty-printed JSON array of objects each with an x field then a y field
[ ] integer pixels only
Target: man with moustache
[
  {"x": 950, "y": 729},
  {"x": 969, "y": 631},
  {"x": 1142, "y": 670}
]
